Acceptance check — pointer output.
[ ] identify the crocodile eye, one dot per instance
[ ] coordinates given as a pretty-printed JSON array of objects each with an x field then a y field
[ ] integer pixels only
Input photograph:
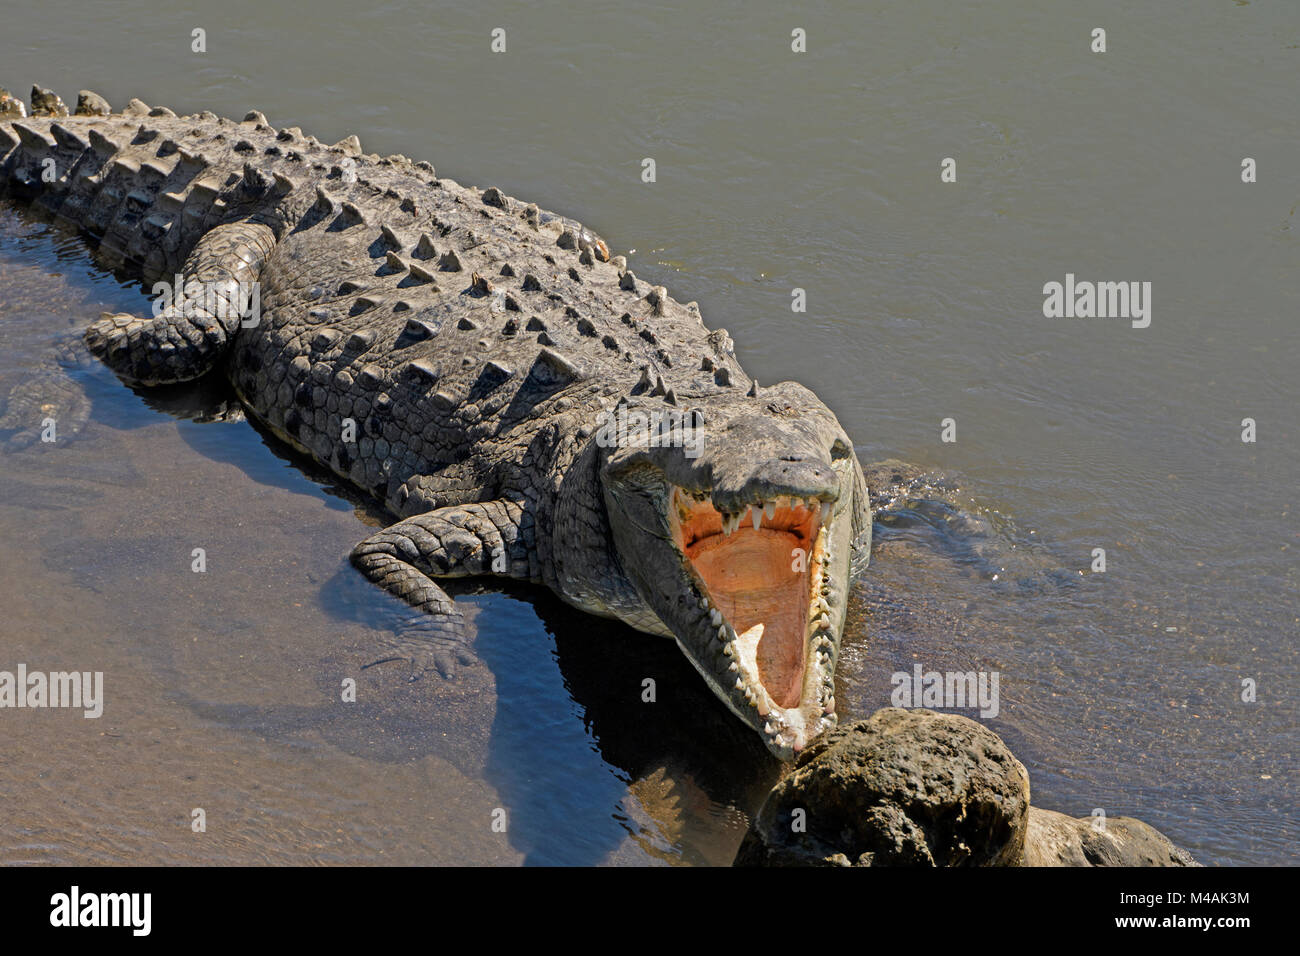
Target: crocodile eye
[{"x": 841, "y": 449}]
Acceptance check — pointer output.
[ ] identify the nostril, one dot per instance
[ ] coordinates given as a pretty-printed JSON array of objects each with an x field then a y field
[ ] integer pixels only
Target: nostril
[
  {"x": 814, "y": 467},
  {"x": 809, "y": 468}
]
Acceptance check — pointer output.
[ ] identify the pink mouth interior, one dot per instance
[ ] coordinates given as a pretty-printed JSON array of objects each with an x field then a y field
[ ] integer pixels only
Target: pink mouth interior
[{"x": 755, "y": 577}]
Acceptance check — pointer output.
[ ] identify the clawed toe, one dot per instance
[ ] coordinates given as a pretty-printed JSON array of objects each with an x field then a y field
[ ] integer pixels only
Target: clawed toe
[{"x": 444, "y": 659}]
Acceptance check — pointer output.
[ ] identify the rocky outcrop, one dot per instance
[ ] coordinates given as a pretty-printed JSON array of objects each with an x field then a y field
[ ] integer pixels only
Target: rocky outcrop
[
  {"x": 919, "y": 788},
  {"x": 1054, "y": 839},
  {"x": 901, "y": 788}
]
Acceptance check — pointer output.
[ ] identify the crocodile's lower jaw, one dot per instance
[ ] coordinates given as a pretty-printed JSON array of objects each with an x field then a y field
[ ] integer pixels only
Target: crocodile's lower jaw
[{"x": 762, "y": 578}]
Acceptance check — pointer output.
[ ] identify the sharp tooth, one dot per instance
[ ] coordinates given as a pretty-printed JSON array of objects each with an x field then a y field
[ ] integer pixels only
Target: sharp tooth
[
  {"x": 826, "y": 511},
  {"x": 740, "y": 683},
  {"x": 769, "y": 509},
  {"x": 829, "y": 707},
  {"x": 716, "y": 617},
  {"x": 730, "y": 650},
  {"x": 722, "y": 632},
  {"x": 795, "y": 503},
  {"x": 821, "y": 603},
  {"x": 756, "y": 515},
  {"x": 767, "y": 728},
  {"x": 734, "y": 667}
]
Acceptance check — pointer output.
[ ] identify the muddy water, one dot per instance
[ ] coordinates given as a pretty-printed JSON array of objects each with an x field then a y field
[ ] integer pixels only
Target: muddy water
[{"x": 775, "y": 170}]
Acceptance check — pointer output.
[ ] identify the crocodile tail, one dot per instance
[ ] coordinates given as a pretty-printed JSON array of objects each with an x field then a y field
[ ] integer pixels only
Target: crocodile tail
[{"x": 117, "y": 176}]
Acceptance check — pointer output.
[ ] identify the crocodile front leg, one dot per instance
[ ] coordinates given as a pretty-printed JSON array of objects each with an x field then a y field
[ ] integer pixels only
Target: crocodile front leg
[
  {"x": 403, "y": 559},
  {"x": 190, "y": 335}
]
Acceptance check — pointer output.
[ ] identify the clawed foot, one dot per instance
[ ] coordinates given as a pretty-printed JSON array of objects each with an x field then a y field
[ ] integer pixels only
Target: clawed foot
[{"x": 425, "y": 652}]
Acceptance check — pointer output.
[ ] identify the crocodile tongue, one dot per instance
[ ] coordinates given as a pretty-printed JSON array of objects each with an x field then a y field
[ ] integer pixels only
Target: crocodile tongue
[{"x": 749, "y": 579}]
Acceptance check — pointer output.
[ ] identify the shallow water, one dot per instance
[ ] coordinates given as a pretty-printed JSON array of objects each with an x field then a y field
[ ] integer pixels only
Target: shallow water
[{"x": 1119, "y": 691}]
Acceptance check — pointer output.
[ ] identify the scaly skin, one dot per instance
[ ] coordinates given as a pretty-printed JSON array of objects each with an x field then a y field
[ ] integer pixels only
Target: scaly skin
[{"x": 474, "y": 341}]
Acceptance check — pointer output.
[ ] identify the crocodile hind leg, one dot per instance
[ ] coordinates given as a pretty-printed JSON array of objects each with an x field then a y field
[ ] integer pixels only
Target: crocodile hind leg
[
  {"x": 183, "y": 342},
  {"x": 187, "y": 338},
  {"x": 488, "y": 537}
]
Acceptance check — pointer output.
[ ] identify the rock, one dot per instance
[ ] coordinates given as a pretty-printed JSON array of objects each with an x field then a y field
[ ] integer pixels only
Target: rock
[
  {"x": 1055, "y": 839},
  {"x": 901, "y": 788}
]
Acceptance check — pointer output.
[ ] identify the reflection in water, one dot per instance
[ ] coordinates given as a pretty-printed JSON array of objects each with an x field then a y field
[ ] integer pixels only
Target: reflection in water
[{"x": 585, "y": 761}]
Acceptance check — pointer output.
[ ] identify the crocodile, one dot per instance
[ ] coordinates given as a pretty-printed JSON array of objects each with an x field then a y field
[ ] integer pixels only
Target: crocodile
[{"x": 517, "y": 399}]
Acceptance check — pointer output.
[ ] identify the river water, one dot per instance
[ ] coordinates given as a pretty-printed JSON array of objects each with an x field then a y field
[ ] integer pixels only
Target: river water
[{"x": 775, "y": 170}]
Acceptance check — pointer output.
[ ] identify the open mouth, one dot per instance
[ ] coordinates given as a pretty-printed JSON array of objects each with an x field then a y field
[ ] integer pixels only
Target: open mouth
[{"x": 762, "y": 577}]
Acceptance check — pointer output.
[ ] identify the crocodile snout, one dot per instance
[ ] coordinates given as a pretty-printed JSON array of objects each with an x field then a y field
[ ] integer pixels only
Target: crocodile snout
[
  {"x": 802, "y": 477},
  {"x": 765, "y": 457}
]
